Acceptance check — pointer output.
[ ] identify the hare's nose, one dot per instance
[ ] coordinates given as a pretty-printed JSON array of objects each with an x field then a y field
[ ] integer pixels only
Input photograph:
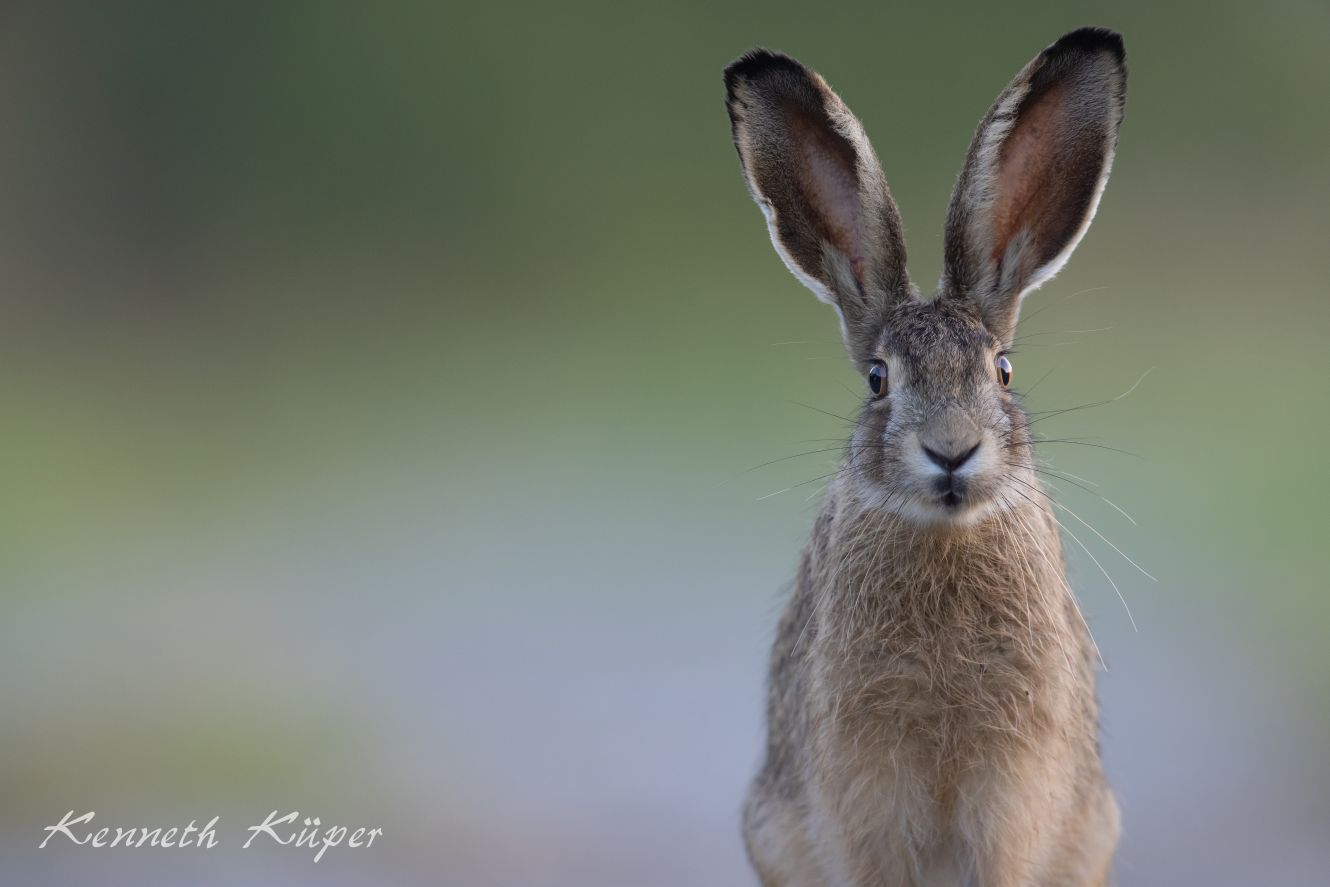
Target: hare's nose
[{"x": 950, "y": 459}]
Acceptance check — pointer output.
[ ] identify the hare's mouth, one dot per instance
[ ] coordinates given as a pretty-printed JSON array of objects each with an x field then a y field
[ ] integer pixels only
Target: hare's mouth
[
  {"x": 951, "y": 499},
  {"x": 952, "y": 492},
  {"x": 950, "y": 508}
]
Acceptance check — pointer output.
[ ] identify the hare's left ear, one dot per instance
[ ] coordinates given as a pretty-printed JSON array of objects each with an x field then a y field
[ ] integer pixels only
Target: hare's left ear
[{"x": 1034, "y": 175}]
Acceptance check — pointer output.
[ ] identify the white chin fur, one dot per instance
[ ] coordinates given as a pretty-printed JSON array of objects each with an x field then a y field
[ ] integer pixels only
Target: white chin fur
[
  {"x": 927, "y": 513},
  {"x": 926, "y": 510}
]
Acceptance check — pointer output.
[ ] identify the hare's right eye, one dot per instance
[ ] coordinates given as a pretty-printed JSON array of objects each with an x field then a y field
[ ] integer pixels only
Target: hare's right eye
[{"x": 877, "y": 379}]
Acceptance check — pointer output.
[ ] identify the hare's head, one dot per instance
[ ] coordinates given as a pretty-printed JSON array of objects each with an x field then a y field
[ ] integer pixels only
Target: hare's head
[{"x": 941, "y": 438}]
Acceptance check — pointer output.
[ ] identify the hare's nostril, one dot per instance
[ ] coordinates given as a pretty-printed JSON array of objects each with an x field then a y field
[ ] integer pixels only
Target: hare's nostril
[{"x": 949, "y": 461}]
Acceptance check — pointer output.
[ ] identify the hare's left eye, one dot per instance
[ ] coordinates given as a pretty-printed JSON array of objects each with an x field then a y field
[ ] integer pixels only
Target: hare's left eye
[{"x": 1003, "y": 370}]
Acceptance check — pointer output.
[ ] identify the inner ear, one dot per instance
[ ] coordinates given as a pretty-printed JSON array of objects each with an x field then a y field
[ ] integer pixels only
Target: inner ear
[
  {"x": 1047, "y": 183},
  {"x": 1048, "y": 170},
  {"x": 1023, "y": 164},
  {"x": 829, "y": 182}
]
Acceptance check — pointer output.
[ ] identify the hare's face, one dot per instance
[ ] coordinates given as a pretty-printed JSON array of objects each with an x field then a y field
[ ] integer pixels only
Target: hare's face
[{"x": 941, "y": 438}]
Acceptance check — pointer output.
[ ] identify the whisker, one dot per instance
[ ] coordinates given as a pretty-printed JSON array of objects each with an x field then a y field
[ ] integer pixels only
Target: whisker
[
  {"x": 1135, "y": 385},
  {"x": 1106, "y": 540},
  {"x": 797, "y": 486},
  {"x": 1066, "y": 473},
  {"x": 855, "y": 422},
  {"x": 1099, "y": 329},
  {"x": 1025, "y": 392},
  {"x": 1082, "y": 443},
  {"x": 1073, "y": 480},
  {"x": 795, "y": 456},
  {"x": 1048, "y": 414},
  {"x": 812, "y": 611},
  {"x": 848, "y": 466},
  {"x": 1062, "y": 579},
  {"x": 1032, "y": 315},
  {"x": 1090, "y": 554},
  {"x": 1071, "y": 596}
]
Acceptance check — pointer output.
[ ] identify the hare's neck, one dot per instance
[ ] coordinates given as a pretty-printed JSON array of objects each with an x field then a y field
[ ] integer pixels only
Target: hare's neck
[
  {"x": 1009, "y": 560},
  {"x": 928, "y": 622}
]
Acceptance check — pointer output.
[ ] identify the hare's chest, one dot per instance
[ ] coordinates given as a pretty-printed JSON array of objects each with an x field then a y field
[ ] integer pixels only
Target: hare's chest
[
  {"x": 926, "y": 697},
  {"x": 948, "y": 690},
  {"x": 943, "y": 656},
  {"x": 908, "y": 735}
]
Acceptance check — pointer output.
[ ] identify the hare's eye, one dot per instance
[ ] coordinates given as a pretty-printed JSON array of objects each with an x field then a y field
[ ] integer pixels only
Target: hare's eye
[
  {"x": 1003, "y": 370},
  {"x": 877, "y": 379}
]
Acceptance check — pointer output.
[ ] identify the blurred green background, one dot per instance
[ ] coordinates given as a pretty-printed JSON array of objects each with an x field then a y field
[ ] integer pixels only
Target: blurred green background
[{"x": 381, "y": 383}]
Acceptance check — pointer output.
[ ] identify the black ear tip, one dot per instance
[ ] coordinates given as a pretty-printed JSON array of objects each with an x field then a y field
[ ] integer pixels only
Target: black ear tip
[
  {"x": 757, "y": 63},
  {"x": 1090, "y": 40}
]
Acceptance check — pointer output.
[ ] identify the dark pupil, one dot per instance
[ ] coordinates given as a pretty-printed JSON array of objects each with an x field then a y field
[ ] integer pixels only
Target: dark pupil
[{"x": 877, "y": 379}]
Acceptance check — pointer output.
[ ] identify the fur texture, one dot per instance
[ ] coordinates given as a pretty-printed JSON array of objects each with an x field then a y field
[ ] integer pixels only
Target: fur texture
[{"x": 931, "y": 712}]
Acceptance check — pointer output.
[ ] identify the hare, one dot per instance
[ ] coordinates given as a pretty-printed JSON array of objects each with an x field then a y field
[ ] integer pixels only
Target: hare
[{"x": 931, "y": 711}]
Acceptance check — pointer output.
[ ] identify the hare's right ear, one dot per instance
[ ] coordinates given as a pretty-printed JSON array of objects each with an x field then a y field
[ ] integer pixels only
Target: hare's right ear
[{"x": 811, "y": 169}]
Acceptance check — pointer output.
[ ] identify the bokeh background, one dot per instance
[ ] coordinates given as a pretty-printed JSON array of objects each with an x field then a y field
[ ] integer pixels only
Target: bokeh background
[{"x": 384, "y": 388}]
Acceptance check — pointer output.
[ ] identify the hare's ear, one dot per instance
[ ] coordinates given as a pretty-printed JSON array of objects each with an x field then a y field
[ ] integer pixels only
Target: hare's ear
[
  {"x": 1034, "y": 175},
  {"x": 812, "y": 171}
]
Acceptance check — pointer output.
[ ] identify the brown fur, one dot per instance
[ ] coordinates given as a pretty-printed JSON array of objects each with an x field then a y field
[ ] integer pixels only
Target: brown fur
[
  {"x": 933, "y": 688},
  {"x": 931, "y": 711}
]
